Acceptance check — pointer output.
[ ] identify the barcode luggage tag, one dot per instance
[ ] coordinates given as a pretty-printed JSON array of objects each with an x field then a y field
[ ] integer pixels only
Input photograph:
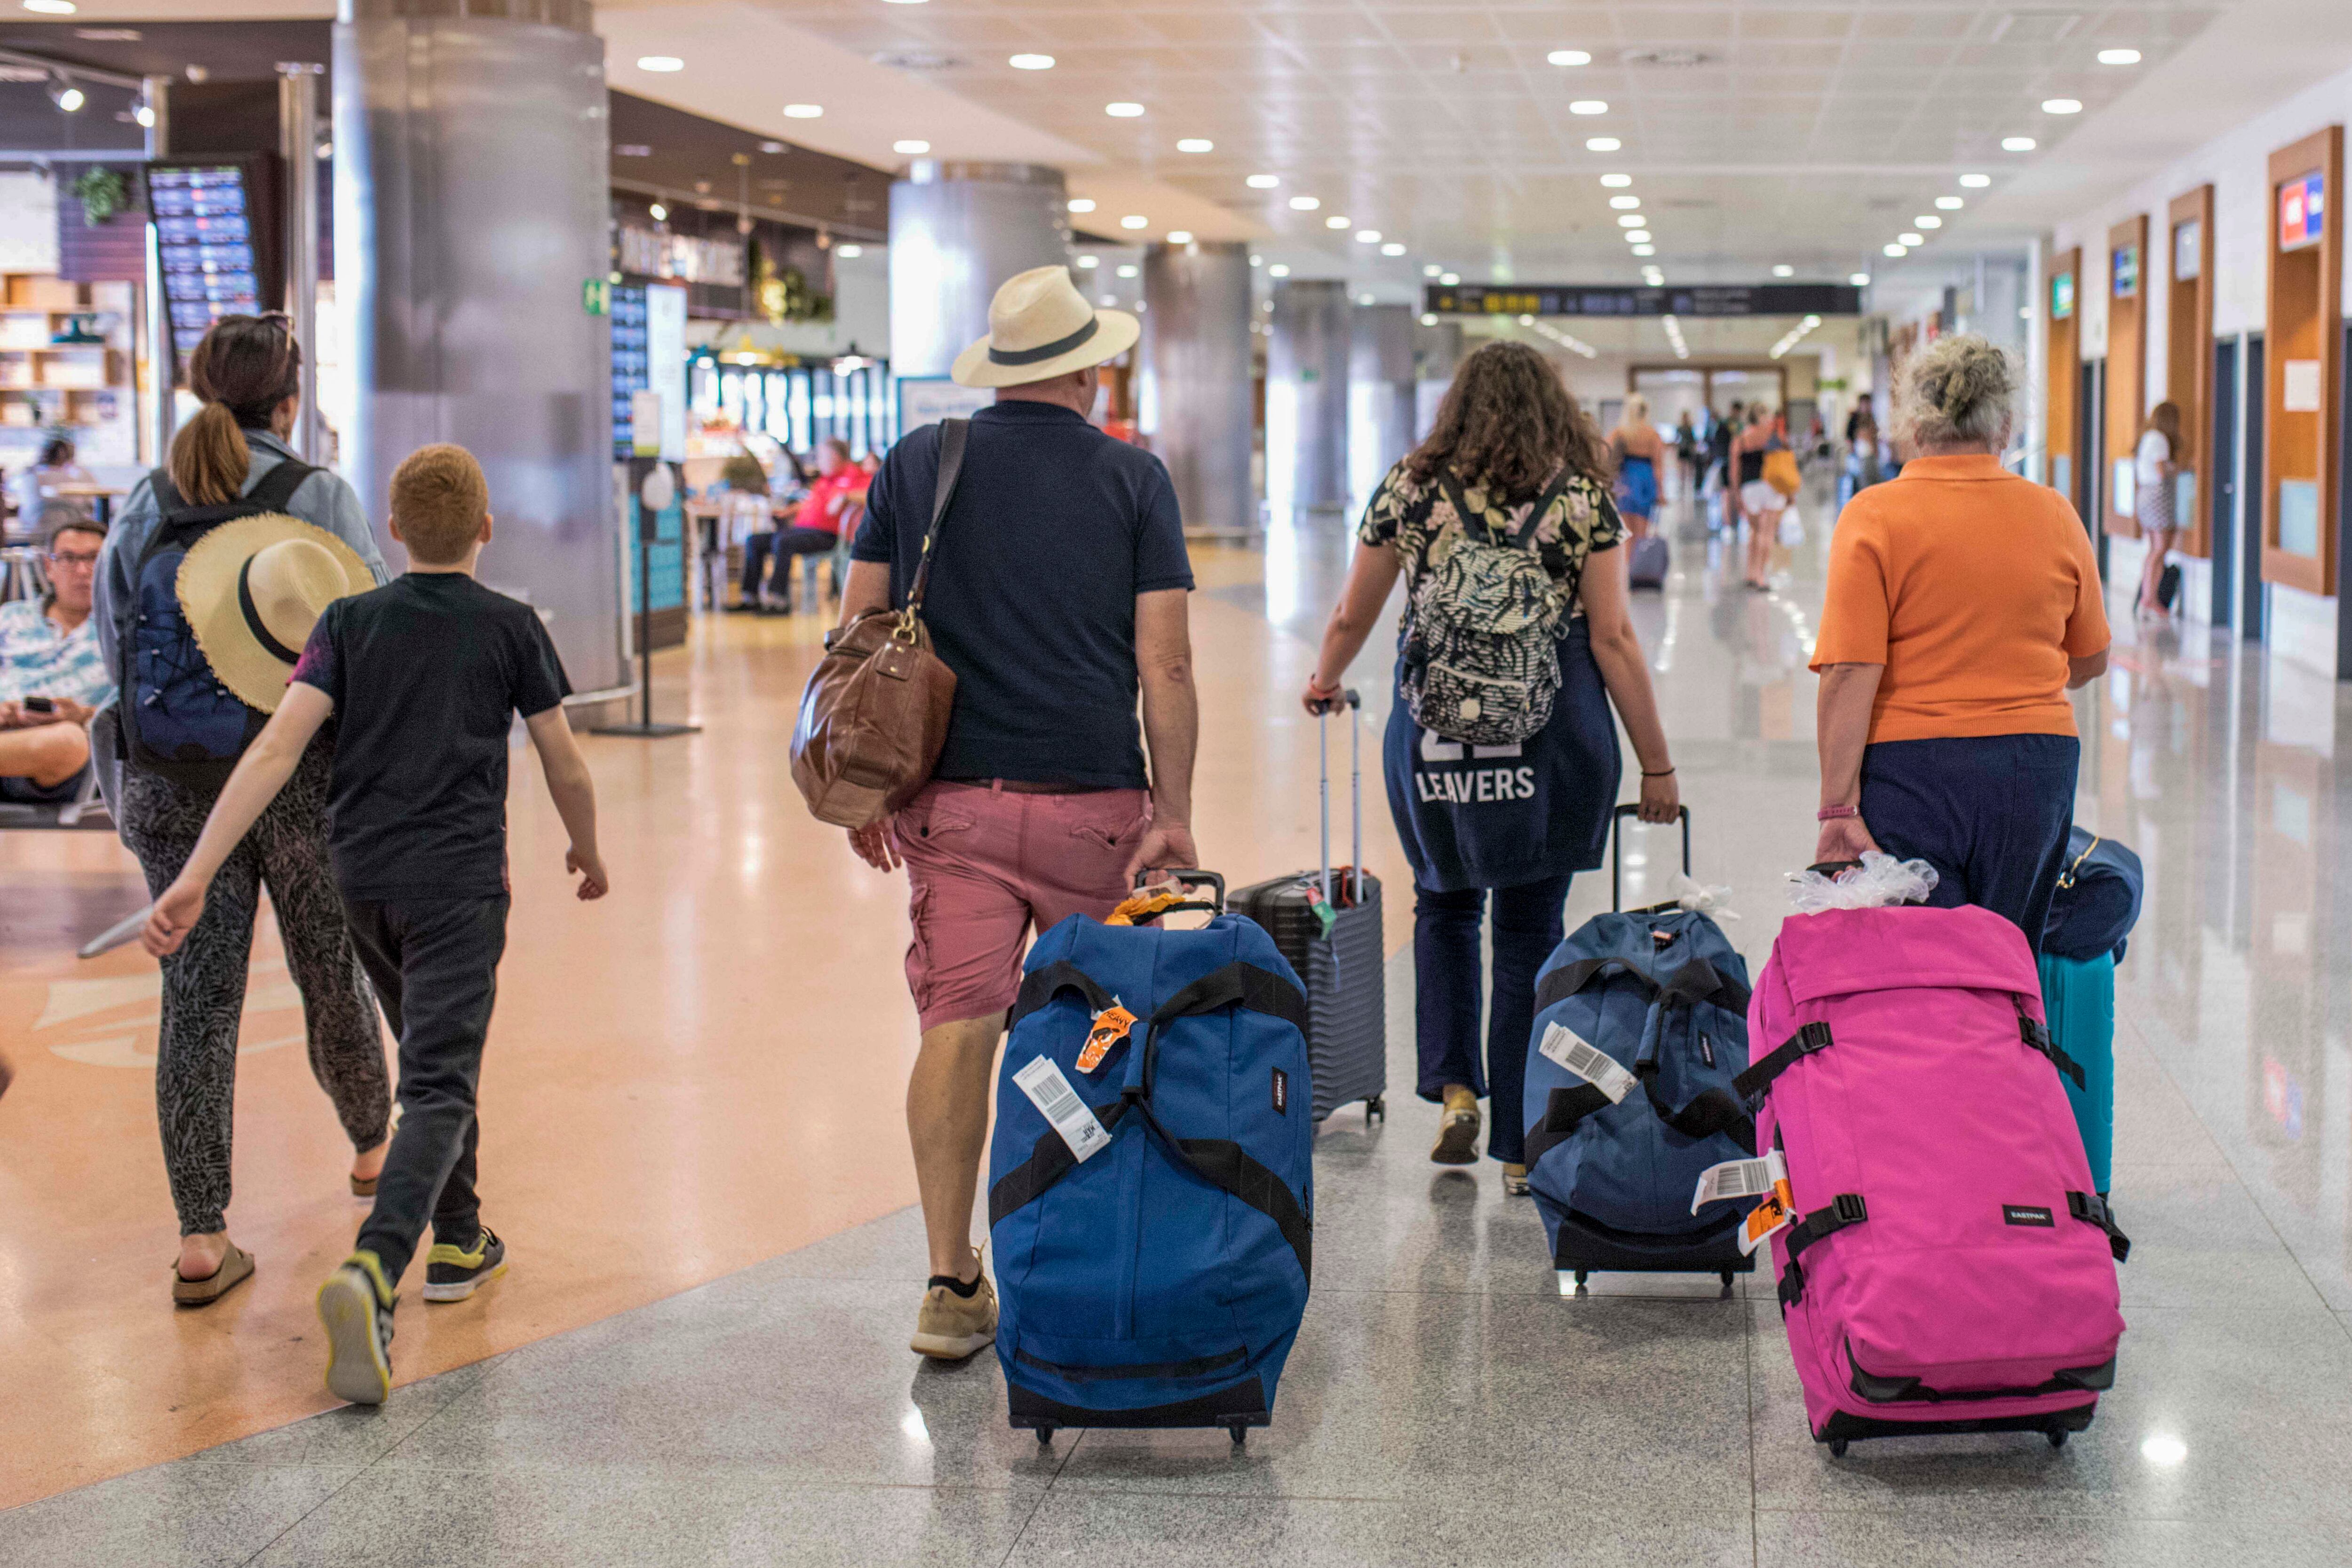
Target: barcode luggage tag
[
  {"x": 1109, "y": 1027},
  {"x": 1042, "y": 1081},
  {"x": 1766, "y": 1178},
  {"x": 1573, "y": 1052}
]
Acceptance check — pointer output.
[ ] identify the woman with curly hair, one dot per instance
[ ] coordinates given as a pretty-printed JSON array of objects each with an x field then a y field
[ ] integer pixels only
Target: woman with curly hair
[
  {"x": 1963, "y": 605},
  {"x": 1512, "y": 485}
]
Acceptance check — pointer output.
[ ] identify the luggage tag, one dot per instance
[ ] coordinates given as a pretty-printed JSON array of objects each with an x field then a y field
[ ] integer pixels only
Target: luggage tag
[
  {"x": 1573, "y": 1052},
  {"x": 1042, "y": 1081},
  {"x": 1109, "y": 1027},
  {"x": 1325, "y": 917},
  {"x": 1767, "y": 1178}
]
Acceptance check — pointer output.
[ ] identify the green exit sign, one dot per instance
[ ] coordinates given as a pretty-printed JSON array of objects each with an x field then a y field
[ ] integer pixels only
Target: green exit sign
[{"x": 596, "y": 296}]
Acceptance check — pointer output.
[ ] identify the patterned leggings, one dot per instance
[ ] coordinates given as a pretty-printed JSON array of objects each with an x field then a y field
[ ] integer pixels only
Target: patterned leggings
[{"x": 204, "y": 982}]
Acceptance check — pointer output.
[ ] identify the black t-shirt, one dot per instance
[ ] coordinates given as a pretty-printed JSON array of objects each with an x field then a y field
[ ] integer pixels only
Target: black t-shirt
[
  {"x": 426, "y": 675},
  {"x": 1055, "y": 530}
]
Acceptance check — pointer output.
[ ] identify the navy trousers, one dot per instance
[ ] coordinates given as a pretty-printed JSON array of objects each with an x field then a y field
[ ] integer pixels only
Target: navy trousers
[
  {"x": 1530, "y": 922},
  {"x": 1990, "y": 813}
]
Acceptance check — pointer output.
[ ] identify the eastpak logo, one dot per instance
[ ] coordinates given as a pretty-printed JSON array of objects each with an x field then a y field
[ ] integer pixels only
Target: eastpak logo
[
  {"x": 2026, "y": 1213},
  {"x": 1281, "y": 1092}
]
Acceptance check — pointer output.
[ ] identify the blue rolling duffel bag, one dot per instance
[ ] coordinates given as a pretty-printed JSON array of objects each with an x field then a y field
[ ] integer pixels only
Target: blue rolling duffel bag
[
  {"x": 1641, "y": 1027},
  {"x": 1152, "y": 1185}
]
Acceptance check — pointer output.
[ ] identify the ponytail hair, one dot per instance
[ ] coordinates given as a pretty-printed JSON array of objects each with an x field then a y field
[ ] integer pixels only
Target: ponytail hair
[{"x": 245, "y": 368}]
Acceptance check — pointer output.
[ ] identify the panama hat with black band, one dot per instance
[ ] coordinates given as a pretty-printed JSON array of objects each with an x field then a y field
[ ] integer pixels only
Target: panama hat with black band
[
  {"x": 251, "y": 590},
  {"x": 1040, "y": 327}
]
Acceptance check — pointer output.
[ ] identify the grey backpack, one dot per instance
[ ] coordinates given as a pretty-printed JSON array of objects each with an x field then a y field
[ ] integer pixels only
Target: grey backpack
[{"x": 1481, "y": 664}]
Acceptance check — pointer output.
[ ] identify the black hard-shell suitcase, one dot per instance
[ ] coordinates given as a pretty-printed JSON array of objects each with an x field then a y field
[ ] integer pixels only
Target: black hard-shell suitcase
[{"x": 1345, "y": 971}]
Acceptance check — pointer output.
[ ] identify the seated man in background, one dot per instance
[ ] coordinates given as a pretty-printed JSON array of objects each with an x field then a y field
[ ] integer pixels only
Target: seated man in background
[{"x": 51, "y": 674}]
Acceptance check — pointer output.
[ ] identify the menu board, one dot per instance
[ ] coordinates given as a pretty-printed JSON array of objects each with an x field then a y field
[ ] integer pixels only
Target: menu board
[
  {"x": 2303, "y": 211},
  {"x": 215, "y": 231}
]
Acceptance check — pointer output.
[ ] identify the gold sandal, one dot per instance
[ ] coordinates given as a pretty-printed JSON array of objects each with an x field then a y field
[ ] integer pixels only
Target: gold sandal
[{"x": 236, "y": 1269}]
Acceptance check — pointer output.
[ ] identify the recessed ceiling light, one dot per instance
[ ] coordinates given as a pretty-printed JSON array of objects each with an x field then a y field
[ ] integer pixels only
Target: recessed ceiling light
[
  {"x": 1616, "y": 182},
  {"x": 1624, "y": 204},
  {"x": 1394, "y": 247},
  {"x": 2061, "y": 106},
  {"x": 1277, "y": 271},
  {"x": 1364, "y": 299},
  {"x": 2119, "y": 57},
  {"x": 1589, "y": 106},
  {"x": 2018, "y": 144},
  {"x": 1257, "y": 261},
  {"x": 1602, "y": 144},
  {"x": 1031, "y": 62},
  {"x": 658, "y": 212},
  {"x": 1630, "y": 219},
  {"x": 903, "y": 2},
  {"x": 850, "y": 252},
  {"x": 1976, "y": 182},
  {"x": 1338, "y": 221},
  {"x": 1128, "y": 270},
  {"x": 1569, "y": 58},
  {"x": 1907, "y": 238},
  {"x": 1088, "y": 263},
  {"x": 1123, "y": 111},
  {"x": 1135, "y": 221},
  {"x": 662, "y": 63},
  {"x": 1784, "y": 270},
  {"x": 1927, "y": 221},
  {"x": 1082, "y": 203},
  {"x": 1449, "y": 279},
  {"x": 1428, "y": 320},
  {"x": 1195, "y": 144},
  {"x": 1431, "y": 270},
  {"x": 1897, "y": 250},
  {"x": 1263, "y": 181},
  {"x": 1368, "y": 236},
  {"x": 1950, "y": 204},
  {"x": 1179, "y": 236},
  {"x": 1639, "y": 236},
  {"x": 1859, "y": 279},
  {"x": 804, "y": 110},
  {"x": 50, "y": 8},
  {"x": 771, "y": 147},
  {"x": 1305, "y": 203},
  {"x": 912, "y": 147},
  {"x": 1108, "y": 298},
  {"x": 1646, "y": 250}
]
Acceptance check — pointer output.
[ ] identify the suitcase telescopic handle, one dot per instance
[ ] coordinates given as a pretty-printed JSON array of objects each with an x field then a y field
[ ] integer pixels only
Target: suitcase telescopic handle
[
  {"x": 1617, "y": 851},
  {"x": 1187, "y": 878},
  {"x": 1354, "y": 701}
]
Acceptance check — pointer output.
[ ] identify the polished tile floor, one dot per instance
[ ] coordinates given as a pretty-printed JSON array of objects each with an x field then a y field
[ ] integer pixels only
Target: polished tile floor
[{"x": 708, "y": 1364}]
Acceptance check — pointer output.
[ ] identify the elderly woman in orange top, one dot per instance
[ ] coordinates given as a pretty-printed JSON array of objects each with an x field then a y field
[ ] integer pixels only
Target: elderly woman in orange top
[{"x": 1963, "y": 605}]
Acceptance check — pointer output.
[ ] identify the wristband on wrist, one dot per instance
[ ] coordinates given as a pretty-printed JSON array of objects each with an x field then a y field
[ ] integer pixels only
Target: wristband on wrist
[
  {"x": 1832, "y": 814},
  {"x": 1661, "y": 773}
]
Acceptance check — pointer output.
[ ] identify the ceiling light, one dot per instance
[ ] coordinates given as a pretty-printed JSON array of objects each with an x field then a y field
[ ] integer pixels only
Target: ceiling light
[
  {"x": 1088, "y": 263},
  {"x": 1305, "y": 203},
  {"x": 663, "y": 63},
  {"x": 1950, "y": 204},
  {"x": 1365, "y": 299},
  {"x": 1263, "y": 181},
  {"x": 1123, "y": 111},
  {"x": 1896, "y": 250},
  {"x": 804, "y": 110},
  {"x": 2119, "y": 57},
  {"x": 144, "y": 115},
  {"x": 1195, "y": 144},
  {"x": 1428, "y": 320},
  {"x": 2018, "y": 144},
  {"x": 1602, "y": 144},
  {"x": 911, "y": 148},
  {"x": 1431, "y": 270},
  {"x": 1976, "y": 182},
  {"x": 1784, "y": 270},
  {"x": 1624, "y": 204},
  {"x": 1368, "y": 236},
  {"x": 1859, "y": 279},
  {"x": 1277, "y": 271},
  {"x": 1638, "y": 236},
  {"x": 658, "y": 212},
  {"x": 1449, "y": 279},
  {"x": 1257, "y": 261},
  {"x": 1128, "y": 270},
  {"x": 1082, "y": 203},
  {"x": 1179, "y": 236},
  {"x": 1031, "y": 62},
  {"x": 1569, "y": 58},
  {"x": 1108, "y": 298},
  {"x": 65, "y": 96},
  {"x": 1135, "y": 221},
  {"x": 50, "y": 8},
  {"x": 850, "y": 252},
  {"x": 1589, "y": 106},
  {"x": 1908, "y": 239},
  {"x": 1338, "y": 221},
  {"x": 1524, "y": 321},
  {"x": 1646, "y": 250},
  {"x": 1393, "y": 247},
  {"x": 1616, "y": 182},
  {"x": 771, "y": 147},
  {"x": 1630, "y": 219},
  {"x": 2061, "y": 106},
  {"x": 902, "y": 1},
  {"x": 1927, "y": 221}
]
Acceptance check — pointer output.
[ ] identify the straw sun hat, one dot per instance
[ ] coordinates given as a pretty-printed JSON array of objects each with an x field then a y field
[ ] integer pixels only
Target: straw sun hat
[
  {"x": 253, "y": 588},
  {"x": 1039, "y": 327}
]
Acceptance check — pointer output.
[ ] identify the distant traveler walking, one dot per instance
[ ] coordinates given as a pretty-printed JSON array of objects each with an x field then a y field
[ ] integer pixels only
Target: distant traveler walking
[
  {"x": 2156, "y": 478},
  {"x": 1058, "y": 584},
  {"x": 1504, "y": 509},
  {"x": 1963, "y": 605},
  {"x": 232, "y": 458},
  {"x": 1635, "y": 448}
]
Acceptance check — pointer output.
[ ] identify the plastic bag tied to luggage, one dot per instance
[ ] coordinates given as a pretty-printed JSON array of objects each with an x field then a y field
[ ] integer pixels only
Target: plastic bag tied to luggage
[{"x": 1879, "y": 882}]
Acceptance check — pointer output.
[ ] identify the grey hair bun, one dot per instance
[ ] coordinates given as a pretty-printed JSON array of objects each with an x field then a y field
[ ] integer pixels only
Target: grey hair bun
[{"x": 1961, "y": 390}]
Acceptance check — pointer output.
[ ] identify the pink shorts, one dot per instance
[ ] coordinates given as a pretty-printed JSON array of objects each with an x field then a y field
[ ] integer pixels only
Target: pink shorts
[{"x": 986, "y": 864}]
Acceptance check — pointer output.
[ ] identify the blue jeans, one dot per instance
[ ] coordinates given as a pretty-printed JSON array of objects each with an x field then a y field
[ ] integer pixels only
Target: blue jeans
[
  {"x": 1530, "y": 922},
  {"x": 1990, "y": 813}
]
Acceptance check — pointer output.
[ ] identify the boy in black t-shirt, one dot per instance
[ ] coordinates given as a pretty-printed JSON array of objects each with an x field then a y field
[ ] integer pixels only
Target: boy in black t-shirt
[{"x": 424, "y": 676}]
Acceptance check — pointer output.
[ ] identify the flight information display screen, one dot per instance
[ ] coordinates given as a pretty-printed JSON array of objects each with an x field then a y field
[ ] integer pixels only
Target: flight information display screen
[{"x": 215, "y": 231}]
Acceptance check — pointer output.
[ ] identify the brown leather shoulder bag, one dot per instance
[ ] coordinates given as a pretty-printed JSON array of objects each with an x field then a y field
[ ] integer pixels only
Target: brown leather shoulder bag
[{"x": 874, "y": 714}]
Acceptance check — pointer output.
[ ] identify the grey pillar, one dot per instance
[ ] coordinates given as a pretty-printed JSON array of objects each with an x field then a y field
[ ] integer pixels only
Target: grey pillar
[
  {"x": 472, "y": 204},
  {"x": 297, "y": 144},
  {"x": 1307, "y": 398},
  {"x": 1196, "y": 401},
  {"x": 1380, "y": 392},
  {"x": 957, "y": 232},
  {"x": 1436, "y": 354}
]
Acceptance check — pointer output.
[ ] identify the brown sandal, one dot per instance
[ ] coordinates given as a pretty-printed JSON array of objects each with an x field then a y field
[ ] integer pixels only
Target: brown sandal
[
  {"x": 236, "y": 1269},
  {"x": 363, "y": 1187}
]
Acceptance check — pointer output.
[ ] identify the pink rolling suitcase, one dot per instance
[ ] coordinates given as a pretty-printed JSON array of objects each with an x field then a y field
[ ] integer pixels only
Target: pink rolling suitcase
[{"x": 1949, "y": 1267}]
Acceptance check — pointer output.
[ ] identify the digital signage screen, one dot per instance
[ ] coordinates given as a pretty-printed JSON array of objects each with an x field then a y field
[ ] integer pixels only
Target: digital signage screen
[
  {"x": 216, "y": 235},
  {"x": 2303, "y": 211}
]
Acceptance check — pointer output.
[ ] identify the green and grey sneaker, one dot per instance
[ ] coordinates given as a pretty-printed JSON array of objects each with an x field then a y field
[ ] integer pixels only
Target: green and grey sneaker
[
  {"x": 451, "y": 1274},
  {"x": 355, "y": 1307}
]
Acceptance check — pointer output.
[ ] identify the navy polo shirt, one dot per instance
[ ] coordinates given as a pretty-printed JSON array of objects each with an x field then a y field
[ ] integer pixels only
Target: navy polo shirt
[{"x": 1055, "y": 528}]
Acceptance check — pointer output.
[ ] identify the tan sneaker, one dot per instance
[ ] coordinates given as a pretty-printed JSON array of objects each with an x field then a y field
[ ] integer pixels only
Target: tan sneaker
[
  {"x": 1457, "y": 1129},
  {"x": 1515, "y": 1180},
  {"x": 952, "y": 1327}
]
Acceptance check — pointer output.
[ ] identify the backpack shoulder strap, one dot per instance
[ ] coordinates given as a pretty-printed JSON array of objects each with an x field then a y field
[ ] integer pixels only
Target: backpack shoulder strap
[
  {"x": 277, "y": 487},
  {"x": 1536, "y": 513}
]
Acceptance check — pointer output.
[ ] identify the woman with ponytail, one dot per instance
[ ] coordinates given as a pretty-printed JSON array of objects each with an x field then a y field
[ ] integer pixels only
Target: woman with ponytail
[
  {"x": 248, "y": 373},
  {"x": 1963, "y": 605}
]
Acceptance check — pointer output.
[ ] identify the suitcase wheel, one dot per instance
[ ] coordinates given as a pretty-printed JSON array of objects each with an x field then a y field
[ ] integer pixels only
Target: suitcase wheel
[
  {"x": 1239, "y": 1431},
  {"x": 1727, "y": 1284},
  {"x": 1580, "y": 1282},
  {"x": 1044, "y": 1437},
  {"x": 1837, "y": 1447},
  {"x": 2058, "y": 1436},
  {"x": 1375, "y": 1109}
]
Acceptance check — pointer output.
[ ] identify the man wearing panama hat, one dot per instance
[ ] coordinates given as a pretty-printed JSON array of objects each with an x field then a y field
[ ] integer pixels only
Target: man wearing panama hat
[{"x": 1056, "y": 592}]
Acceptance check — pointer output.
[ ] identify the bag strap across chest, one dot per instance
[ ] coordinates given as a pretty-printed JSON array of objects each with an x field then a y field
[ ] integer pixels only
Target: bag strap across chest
[
  {"x": 179, "y": 522},
  {"x": 1526, "y": 532}
]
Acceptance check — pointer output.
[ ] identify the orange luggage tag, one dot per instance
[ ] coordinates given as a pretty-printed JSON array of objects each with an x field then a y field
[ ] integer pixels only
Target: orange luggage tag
[
  {"x": 1111, "y": 1026},
  {"x": 1766, "y": 1178}
]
